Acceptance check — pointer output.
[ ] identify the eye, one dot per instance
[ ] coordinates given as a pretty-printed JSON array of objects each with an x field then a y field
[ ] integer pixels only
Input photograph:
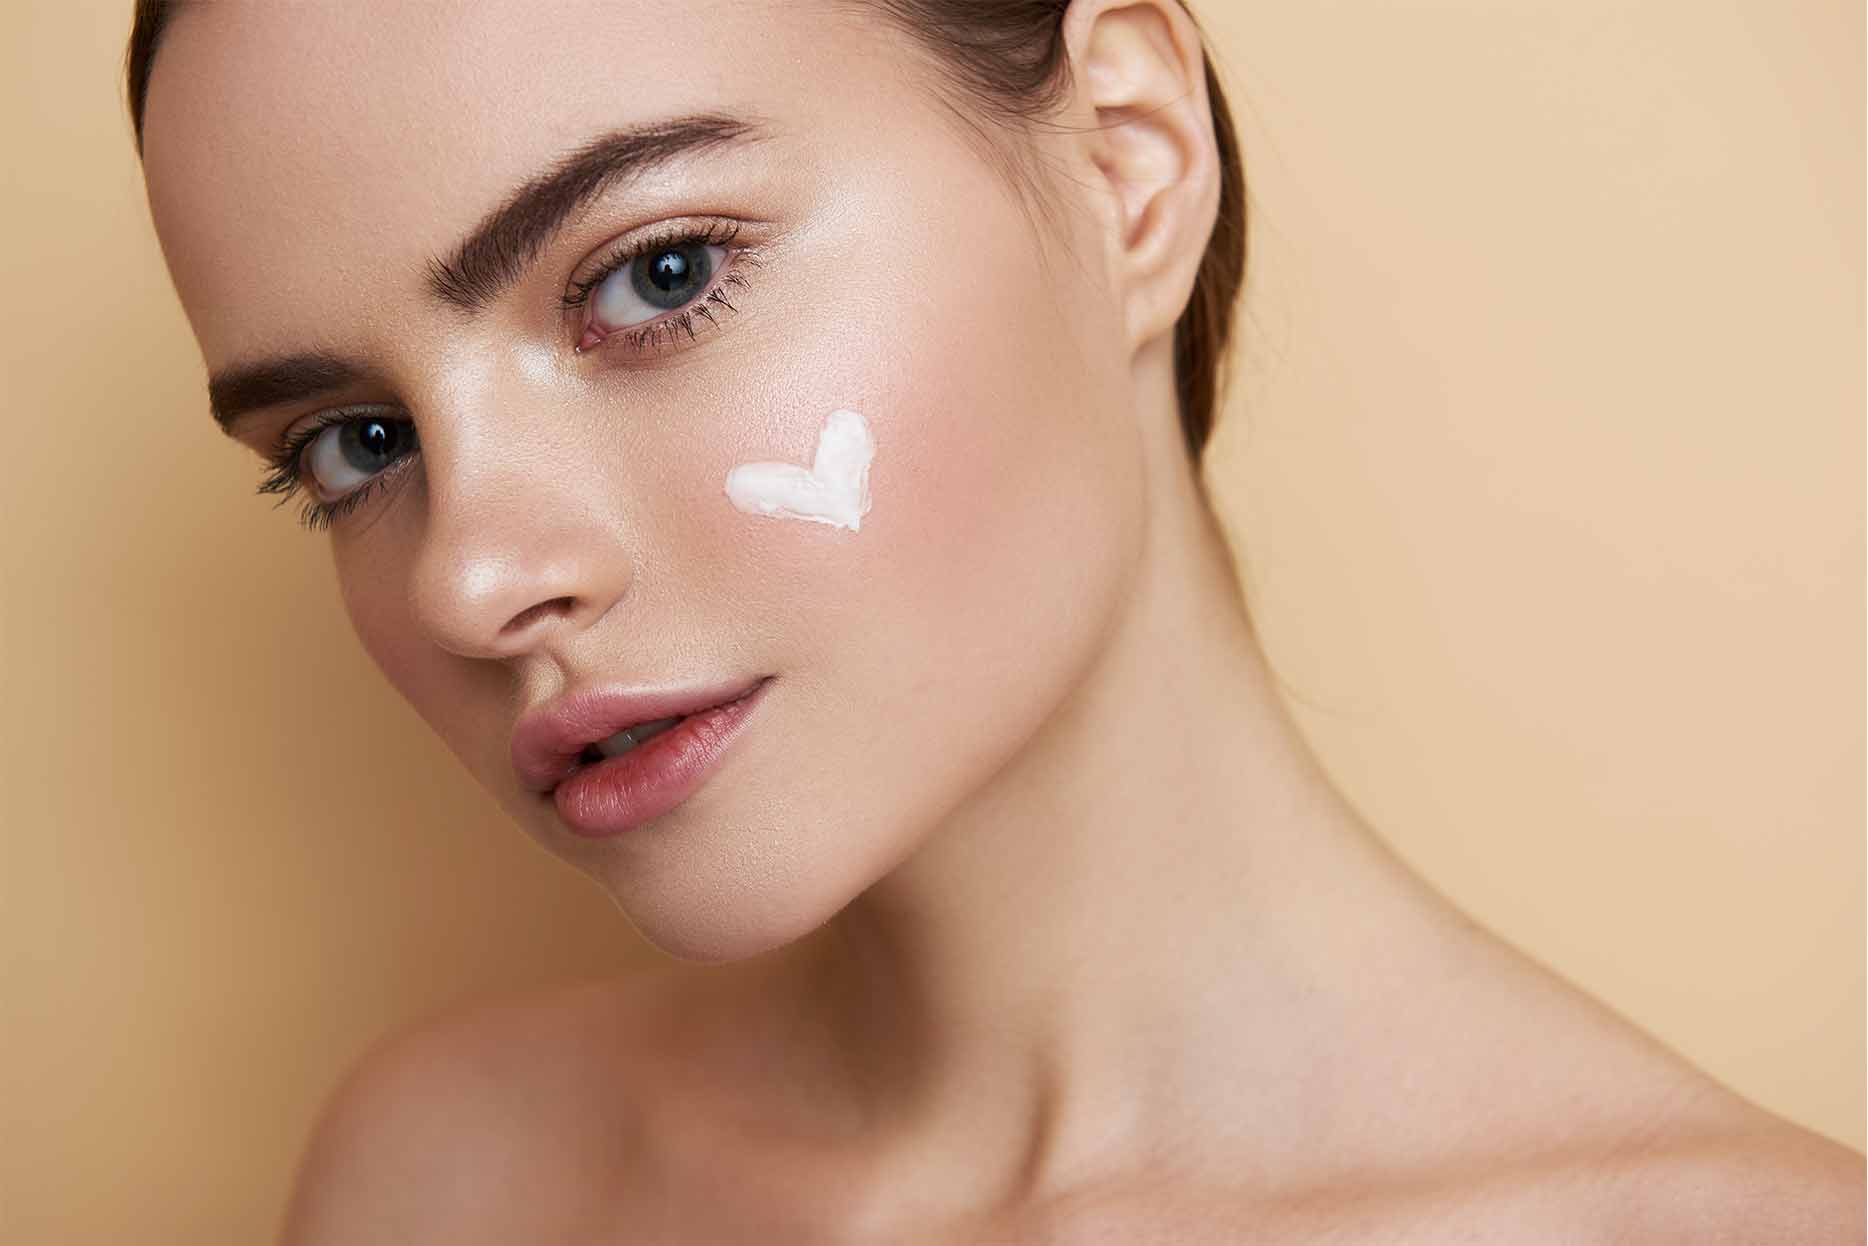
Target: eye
[
  {"x": 661, "y": 279},
  {"x": 344, "y": 456}
]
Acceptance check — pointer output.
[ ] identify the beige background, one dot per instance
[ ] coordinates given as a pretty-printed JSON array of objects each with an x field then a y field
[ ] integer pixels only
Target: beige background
[{"x": 1545, "y": 458}]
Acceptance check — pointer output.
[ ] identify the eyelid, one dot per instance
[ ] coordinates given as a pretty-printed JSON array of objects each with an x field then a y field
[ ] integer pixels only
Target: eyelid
[
  {"x": 287, "y": 474},
  {"x": 717, "y": 231},
  {"x": 296, "y": 436},
  {"x": 660, "y": 334}
]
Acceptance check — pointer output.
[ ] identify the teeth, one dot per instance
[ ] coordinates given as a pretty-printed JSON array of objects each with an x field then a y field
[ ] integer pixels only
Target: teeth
[{"x": 628, "y": 738}]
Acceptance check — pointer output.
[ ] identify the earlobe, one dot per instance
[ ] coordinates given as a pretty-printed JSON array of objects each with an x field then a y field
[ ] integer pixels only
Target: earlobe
[{"x": 1141, "y": 70}]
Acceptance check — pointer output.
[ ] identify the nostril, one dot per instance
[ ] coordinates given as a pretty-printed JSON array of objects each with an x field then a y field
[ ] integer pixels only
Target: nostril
[{"x": 531, "y": 614}]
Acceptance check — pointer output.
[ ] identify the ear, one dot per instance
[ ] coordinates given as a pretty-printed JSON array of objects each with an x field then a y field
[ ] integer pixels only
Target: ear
[{"x": 1140, "y": 70}]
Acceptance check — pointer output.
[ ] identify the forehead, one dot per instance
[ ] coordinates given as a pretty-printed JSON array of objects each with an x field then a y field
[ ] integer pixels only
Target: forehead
[{"x": 301, "y": 156}]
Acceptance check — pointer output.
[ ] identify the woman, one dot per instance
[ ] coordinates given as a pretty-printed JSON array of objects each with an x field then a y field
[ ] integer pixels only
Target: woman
[{"x": 762, "y": 441}]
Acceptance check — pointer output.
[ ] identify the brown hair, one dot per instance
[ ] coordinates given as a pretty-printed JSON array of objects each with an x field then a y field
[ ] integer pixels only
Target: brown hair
[{"x": 1006, "y": 56}]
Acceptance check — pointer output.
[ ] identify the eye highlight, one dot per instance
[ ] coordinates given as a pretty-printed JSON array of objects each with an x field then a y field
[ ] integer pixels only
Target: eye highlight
[
  {"x": 646, "y": 291},
  {"x": 339, "y": 458}
]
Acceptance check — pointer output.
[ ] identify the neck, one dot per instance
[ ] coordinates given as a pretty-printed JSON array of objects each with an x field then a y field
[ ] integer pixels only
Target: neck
[{"x": 1161, "y": 890}]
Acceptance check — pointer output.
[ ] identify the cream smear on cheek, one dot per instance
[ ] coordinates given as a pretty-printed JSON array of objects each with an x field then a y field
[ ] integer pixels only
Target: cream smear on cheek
[{"x": 833, "y": 490}]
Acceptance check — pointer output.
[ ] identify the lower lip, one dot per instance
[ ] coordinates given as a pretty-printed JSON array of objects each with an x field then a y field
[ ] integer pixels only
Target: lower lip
[{"x": 620, "y": 793}]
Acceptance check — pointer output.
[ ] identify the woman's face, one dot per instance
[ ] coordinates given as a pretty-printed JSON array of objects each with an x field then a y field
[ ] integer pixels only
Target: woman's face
[{"x": 556, "y": 519}]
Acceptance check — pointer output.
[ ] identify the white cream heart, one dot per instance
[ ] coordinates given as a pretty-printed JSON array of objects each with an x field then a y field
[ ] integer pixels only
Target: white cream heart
[{"x": 835, "y": 490}]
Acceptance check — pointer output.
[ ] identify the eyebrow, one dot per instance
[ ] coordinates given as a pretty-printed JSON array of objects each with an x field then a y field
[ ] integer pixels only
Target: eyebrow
[
  {"x": 508, "y": 239},
  {"x": 497, "y": 252},
  {"x": 248, "y": 388}
]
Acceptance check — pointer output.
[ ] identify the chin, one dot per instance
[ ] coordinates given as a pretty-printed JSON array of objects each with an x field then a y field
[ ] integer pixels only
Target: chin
[{"x": 712, "y": 920}]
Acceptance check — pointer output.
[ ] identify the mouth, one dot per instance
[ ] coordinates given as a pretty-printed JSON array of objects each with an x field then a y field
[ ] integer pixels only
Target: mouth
[
  {"x": 589, "y": 726},
  {"x": 645, "y": 771},
  {"x": 626, "y": 739}
]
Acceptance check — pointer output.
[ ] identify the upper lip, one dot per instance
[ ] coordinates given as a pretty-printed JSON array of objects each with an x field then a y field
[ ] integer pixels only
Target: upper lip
[{"x": 548, "y": 740}]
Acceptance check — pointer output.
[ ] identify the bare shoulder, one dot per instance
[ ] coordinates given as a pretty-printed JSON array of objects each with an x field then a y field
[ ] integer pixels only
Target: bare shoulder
[
  {"x": 1774, "y": 1184},
  {"x": 489, "y": 1122},
  {"x": 1695, "y": 1162},
  {"x": 1590, "y": 1130},
  {"x": 1633, "y": 1143},
  {"x": 1762, "y": 1180}
]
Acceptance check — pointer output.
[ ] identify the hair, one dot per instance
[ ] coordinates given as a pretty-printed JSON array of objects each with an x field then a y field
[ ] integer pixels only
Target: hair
[{"x": 1006, "y": 57}]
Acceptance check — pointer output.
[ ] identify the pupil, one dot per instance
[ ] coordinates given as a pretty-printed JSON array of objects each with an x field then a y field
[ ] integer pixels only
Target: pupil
[
  {"x": 672, "y": 276},
  {"x": 670, "y": 270},
  {"x": 370, "y": 443}
]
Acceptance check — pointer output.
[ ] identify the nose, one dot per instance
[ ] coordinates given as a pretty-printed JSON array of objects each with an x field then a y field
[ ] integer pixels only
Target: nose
[{"x": 519, "y": 551}]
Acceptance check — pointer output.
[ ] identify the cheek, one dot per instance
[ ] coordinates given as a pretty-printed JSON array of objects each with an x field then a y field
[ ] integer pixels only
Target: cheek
[
  {"x": 371, "y": 594},
  {"x": 1011, "y": 509},
  {"x": 461, "y": 701},
  {"x": 924, "y": 648}
]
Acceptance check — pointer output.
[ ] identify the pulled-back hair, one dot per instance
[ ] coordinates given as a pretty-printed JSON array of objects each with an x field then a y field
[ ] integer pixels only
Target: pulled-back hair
[{"x": 1006, "y": 57}]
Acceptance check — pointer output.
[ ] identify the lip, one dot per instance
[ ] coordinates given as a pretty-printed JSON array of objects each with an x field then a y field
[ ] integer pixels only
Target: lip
[
  {"x": 548, "y": 741},
  {"x": 617, "y": 794}
]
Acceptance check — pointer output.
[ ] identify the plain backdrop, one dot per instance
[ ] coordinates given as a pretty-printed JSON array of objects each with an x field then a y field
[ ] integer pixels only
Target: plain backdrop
[{"x": 1544, "y": 461}]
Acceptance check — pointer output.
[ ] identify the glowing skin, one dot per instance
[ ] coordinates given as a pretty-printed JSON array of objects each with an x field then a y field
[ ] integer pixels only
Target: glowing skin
[
  {"x": 1023, "y": 890},
  {"x": 833, "y": 490}
]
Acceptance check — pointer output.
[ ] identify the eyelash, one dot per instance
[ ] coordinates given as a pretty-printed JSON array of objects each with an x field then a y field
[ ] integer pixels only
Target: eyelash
[
  {"x": 651, "y": 334},
  {"x": 287, "y": 472},
  {"x": 285, "y": 476}
]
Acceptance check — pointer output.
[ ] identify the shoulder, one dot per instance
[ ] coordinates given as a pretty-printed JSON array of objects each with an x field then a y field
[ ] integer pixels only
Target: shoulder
[
  {"x": 1774, "y": 1184},
  {"x": 1627, "y": 1143},
  {"x": 1767, "y": 1180},
  {"x": 466, "y": 1125},
  {"x": 1632, "y": 1143}
]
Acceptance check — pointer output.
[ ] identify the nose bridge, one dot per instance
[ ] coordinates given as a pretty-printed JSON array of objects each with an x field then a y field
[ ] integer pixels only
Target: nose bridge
[{"x": 522, "y": 540}]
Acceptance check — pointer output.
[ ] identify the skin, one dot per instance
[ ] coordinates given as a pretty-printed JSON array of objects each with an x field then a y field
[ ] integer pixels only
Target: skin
[{"x": 1021, "y": 911}]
